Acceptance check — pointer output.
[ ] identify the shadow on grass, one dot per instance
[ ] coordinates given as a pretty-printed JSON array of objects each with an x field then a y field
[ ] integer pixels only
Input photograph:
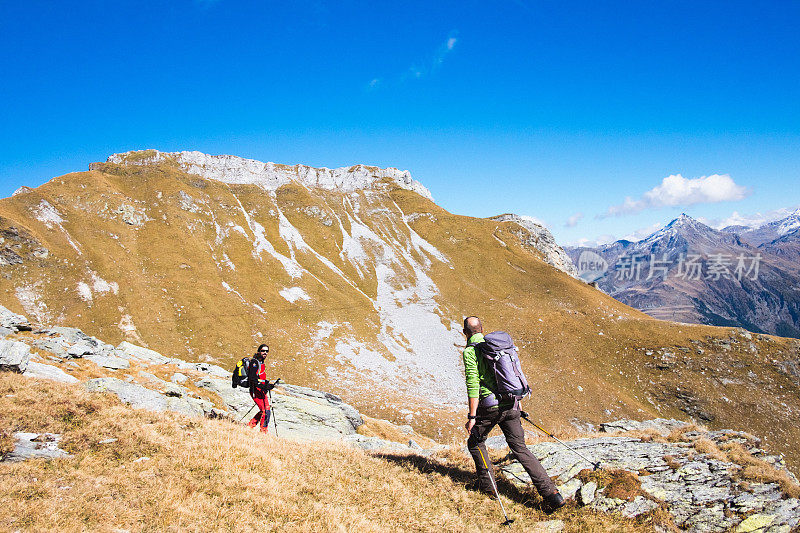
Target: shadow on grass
[{"x": 467, "y": 478}]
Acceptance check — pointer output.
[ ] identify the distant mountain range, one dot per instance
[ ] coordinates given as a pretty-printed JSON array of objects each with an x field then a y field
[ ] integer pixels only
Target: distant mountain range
[
  {"x": 769, "y": 232},
  {"x": 690, "y": 272}
]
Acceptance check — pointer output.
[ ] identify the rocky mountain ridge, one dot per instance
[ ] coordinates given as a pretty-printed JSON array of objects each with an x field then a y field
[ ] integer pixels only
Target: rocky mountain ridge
[
  {"x": 769, "y": 232},
  {"x": 538, "y": 237},
  {"x": 271, "y": 176}
]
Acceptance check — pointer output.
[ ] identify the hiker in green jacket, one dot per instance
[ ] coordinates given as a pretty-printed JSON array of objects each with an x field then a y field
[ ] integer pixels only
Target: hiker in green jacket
[{"x": 485, "y": 412}]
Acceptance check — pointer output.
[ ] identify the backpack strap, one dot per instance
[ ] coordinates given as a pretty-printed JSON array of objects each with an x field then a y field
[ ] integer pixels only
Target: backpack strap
[
  {"x": 516, "y": 368},
  {"x": 492, "y": 362}
]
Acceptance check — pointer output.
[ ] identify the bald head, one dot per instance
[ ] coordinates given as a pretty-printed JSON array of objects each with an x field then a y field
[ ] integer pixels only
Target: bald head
[{"x": 472, "y": 325}]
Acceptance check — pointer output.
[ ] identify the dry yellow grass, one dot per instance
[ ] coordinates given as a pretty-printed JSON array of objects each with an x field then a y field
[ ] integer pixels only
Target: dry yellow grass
[
  {"x": 709, "y": 447},
  {"x": 646, "y": 435},
  {"x": 212, "y": 475},
  {"x": 755, "y": 469},
  {"x": 672, "y": 462},
  {"x": 374, "y": 427},
  {"x": 6, "y": 443},
  {"x": 679, "y": 434}
]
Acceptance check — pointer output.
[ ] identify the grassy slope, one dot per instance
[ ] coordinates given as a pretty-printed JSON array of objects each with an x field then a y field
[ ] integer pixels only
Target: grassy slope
[
  {"x": 171, "y": 285},
  {"x": 215, "y": 476}
]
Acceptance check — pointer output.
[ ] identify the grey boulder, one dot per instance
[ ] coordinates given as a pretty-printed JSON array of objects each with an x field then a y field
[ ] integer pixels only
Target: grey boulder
[
  {"x": 132, "y": 394},
  {"x": 109, "y": 361},
  {"x": 12, "y": 321},
  {"x": 70, "y": 343},
  {"x": 138, "y": 354},
  {"x": 140, "y": 397},
  {"x": 299, "y": 412},
  {"x": 237, "y": 400},
  {"x": 309, "y": 417},
  {"x": 42, "y": 371},
  {"x": 14, "y": 356}
]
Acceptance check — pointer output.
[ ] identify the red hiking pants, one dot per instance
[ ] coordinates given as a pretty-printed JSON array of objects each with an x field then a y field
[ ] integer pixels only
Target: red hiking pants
[{"x": 263, "y": 415}]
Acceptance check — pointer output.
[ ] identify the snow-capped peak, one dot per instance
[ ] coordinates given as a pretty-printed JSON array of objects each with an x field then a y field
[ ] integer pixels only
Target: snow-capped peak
[
  {"x": 683, "y": 223},
  {"x": 788, "y": 224}
]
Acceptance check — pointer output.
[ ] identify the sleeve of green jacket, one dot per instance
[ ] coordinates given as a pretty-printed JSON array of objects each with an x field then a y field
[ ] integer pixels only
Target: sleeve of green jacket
[{"x": 471, "y": 371}]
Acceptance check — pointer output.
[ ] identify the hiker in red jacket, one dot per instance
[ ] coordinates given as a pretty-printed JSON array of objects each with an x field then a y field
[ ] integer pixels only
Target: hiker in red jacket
[{"x": 259, "y": 387}]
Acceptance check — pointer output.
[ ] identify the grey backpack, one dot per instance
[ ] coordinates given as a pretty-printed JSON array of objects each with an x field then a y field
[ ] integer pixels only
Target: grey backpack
[{"x": 499, "y": 351}]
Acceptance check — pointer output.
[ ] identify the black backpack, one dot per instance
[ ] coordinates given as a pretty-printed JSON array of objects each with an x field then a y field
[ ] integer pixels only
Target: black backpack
[{"x": 241, "y": 372}]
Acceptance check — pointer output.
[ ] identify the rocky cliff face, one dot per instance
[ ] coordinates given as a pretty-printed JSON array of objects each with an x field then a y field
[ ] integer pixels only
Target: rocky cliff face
[
  {"x": 536, "y": 236},
  {"x": 271, "y": 176}
]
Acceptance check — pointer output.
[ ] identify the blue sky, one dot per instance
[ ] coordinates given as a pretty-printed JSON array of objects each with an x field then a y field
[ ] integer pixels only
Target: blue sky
[{"x": 557, "y": 110}]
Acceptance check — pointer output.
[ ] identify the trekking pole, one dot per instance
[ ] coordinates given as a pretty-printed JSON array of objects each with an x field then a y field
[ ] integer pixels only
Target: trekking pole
[
  {"x": 272, "y": 406},
  {"x": 247, "y": 414},
  {"x": 524, "y": 415},
  {"x": 496, "y": 493}
]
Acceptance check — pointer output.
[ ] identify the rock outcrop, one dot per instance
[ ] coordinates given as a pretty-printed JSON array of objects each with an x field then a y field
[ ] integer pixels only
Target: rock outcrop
[
  {"x": 197, "y": 390},
  {"x": 238, "y": 170},
  {"x": 533, "y": 235},
  {"x": 690, "y": 476}
]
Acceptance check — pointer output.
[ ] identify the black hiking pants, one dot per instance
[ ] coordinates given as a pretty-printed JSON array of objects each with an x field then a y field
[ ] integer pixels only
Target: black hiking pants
[{"x": 509, "y": 421}]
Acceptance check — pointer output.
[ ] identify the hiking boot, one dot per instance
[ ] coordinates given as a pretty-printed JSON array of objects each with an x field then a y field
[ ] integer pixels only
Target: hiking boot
[
  {"x": 253, "y": 423},
  {"x": 264, "y": 429},
  {"x": 553, "y": 502}
]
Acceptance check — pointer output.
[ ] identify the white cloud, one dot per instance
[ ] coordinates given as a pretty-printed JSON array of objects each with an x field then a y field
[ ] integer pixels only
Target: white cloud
[
  {"x": 634, "y": 236},
  {"x": 431, "y": 64},
  {"x": 752, "y": 220},
  {"x": 643, "y": 233},
  {"x": 443, "y": 50},
  {"x": 573, "y": 220},
  {"x": 424, "y": 67},
  {"x": 676, "y": 190},
  {"x": 592, "y": 243}
]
